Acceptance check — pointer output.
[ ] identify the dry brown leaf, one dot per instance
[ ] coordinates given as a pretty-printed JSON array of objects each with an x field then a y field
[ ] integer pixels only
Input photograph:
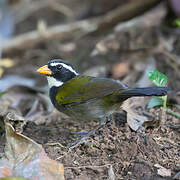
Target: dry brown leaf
[
  {"x": 25, "y": 158},
  {"x": 15, "y": 120},
  {"x": 134, "y": 120},
  {"x": 119, "y": 70}
]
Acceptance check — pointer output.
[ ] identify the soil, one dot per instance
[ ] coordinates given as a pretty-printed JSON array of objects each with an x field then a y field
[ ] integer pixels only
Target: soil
[
  {"x": 115, "y": 150},
  {"x": 132, "y": 155}
]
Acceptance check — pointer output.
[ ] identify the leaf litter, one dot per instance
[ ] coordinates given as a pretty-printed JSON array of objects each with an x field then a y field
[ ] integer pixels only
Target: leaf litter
[
  {"x": 117, "y": 150},
  {"x": 24, "y": 157}
]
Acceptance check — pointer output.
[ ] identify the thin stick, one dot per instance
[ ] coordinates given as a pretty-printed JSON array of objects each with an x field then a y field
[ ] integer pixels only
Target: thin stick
[{"x": 90, "y": 166}]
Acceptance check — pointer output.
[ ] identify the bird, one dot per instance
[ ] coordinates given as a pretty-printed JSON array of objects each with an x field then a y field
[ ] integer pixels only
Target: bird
[{"x": 86, "y": 98}]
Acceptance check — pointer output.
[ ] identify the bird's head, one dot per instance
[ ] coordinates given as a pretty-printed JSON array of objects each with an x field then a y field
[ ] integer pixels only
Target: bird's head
[{"x": 58, "y": 72}]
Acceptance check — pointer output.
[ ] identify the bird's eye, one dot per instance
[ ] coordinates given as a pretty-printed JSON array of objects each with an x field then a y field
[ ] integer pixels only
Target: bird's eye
[{"x": 59, "y": 67}]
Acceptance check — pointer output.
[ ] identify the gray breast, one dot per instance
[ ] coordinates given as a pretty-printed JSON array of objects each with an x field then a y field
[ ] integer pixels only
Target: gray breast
[{"x": 86, "y": 111}]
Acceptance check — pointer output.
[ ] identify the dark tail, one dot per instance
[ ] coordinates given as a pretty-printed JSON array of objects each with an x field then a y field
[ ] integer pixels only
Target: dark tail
[{"x": 149, "y": 91}]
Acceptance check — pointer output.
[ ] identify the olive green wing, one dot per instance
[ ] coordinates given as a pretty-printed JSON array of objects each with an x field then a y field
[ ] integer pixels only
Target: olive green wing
[{"x": 84, "y": 88}]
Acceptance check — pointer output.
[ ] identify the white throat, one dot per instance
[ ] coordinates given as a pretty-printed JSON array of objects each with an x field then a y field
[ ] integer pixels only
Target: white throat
[{"x": 53, "y": 82}]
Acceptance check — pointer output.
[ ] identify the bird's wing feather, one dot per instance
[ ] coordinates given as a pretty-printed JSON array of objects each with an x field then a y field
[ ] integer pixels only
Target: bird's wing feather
[{"x": 84, "y": 88}]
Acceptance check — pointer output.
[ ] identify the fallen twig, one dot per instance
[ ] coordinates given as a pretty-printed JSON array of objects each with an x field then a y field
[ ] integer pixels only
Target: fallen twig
[
  {"x": 90, "y": 166},
  {"x": 56, "y": 32}
]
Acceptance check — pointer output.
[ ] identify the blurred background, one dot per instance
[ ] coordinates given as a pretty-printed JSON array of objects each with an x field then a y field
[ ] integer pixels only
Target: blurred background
[
  {"x": 101, "y": 37},
  {"x": 119, "y": 39},
  {"x": 87, "y": 33}
]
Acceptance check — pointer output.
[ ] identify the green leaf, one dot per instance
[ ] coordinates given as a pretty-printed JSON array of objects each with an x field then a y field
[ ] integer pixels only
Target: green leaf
[
  {"x": 155, "y": 101},
  {"x": 177, "y": 22},
  {"x": 157, "y": 78}
]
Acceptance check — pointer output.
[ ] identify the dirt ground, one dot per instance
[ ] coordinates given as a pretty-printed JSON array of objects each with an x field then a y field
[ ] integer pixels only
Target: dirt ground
[
  {"x": 115, "y": 151},
  {"x": 131, "y": 155}
]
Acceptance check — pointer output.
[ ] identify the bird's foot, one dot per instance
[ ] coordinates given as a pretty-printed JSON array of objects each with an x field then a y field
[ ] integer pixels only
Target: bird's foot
[
  {"x": 77, "y": 142},
  {"x": 83, "y": 138}
]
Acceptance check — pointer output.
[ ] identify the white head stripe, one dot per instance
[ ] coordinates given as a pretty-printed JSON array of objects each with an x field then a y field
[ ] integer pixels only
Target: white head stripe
[
  {"x": 65, "y": 66},
  {"x": 53, "y": 82},
  {"x": 55, "y": 64},
  {"x": 69, "y": 68}
]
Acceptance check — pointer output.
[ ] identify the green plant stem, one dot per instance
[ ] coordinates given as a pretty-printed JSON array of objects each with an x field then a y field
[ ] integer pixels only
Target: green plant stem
[
  {"x": 177, "y": 115},
  {"x": 165, "y": 102}
]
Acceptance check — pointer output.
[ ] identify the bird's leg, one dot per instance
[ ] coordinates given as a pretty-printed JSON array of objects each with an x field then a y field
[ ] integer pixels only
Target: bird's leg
[
  {"x": 83, "y": 138},
  {"x": 80, "y": 133},
  {"x": 90, "y": 133}
]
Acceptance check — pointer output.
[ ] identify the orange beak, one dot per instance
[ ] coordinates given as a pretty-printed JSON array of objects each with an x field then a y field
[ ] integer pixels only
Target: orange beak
[{"x": 44, "y": 70}]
